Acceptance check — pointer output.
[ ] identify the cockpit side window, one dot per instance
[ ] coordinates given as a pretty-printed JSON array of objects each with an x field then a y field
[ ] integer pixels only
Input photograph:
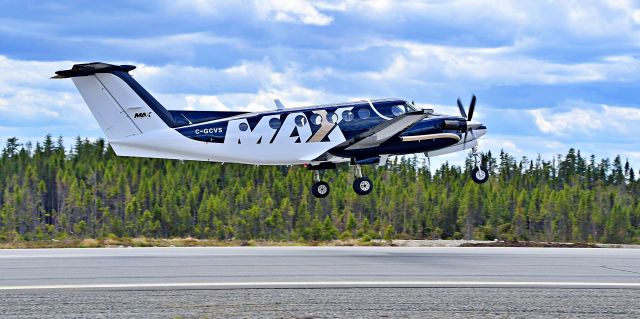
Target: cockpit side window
[
  {"x": 398, "y": 110},
  {"x": 391, "y": 108}
]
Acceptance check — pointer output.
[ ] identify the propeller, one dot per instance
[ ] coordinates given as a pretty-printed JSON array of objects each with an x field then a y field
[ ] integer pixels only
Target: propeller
[
  {"x": 462, "y": 112},
  {"x": 472, "y": 107}
]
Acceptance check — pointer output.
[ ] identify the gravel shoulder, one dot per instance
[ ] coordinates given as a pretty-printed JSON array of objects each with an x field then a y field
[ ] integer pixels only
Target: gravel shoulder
[{"x": 324, "y": 303}]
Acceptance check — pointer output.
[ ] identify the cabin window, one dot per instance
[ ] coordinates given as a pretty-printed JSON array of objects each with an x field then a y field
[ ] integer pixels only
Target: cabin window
[
  {"x": 364, "y": 113},
  {"x": 316, "y": 119},
  {"x": 244, "y": 126},
  {"x": 332, "y": 117},
  {"x": 347, "y": 116},
  {"x": 301, "y": 120},
  {"x": 398, "y": 110},
  {"x": 274, "y": 123}
]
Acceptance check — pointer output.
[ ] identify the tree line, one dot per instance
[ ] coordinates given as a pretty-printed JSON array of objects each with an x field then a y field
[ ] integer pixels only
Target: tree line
[{"x": 48, "y": 192}]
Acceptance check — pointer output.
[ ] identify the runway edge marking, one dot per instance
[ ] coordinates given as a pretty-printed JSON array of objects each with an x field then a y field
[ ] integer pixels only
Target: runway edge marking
[{"x": 329, "y": 284}]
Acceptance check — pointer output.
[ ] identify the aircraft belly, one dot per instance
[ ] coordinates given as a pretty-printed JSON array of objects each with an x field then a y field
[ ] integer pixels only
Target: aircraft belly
[{"x": 271, "y": 154}]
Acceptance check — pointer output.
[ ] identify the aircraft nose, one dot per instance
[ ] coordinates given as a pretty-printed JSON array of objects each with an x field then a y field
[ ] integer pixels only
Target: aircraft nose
[
  {"x": 473, "y": 125},
  {"x": 478, "y": 128}
]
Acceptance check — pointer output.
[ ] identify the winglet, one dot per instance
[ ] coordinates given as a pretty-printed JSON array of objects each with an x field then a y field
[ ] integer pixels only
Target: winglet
[{"x": 279, "y": 104}]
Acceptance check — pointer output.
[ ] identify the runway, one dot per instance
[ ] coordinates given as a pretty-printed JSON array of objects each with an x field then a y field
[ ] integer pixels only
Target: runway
[{"x": 292, "y": 281}]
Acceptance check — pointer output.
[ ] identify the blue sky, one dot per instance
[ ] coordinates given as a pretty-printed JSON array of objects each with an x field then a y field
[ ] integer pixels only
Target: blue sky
[{"x": 549, "y": 75}]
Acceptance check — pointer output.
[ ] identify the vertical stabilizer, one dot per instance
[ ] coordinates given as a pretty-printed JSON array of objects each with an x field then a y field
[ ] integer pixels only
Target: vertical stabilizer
[{"x": 118, "y": 102}]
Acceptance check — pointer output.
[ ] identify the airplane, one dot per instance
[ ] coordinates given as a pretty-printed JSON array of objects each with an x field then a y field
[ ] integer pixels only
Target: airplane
[{"x": 318, "y": 136}]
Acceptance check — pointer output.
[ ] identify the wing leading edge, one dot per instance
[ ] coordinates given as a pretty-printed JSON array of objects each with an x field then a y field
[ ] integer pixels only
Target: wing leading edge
[{"x": 384, "y": 131}]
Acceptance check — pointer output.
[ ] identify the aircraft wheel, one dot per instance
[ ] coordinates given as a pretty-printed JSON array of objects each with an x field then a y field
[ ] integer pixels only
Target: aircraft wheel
[
  {"x": 480, "y": 175},
  {"x": 320, "y": 189},
  {"x": 362, "y": 186}
]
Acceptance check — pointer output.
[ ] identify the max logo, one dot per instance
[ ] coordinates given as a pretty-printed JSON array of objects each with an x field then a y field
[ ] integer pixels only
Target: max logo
[{"x": 140, "y": 115}]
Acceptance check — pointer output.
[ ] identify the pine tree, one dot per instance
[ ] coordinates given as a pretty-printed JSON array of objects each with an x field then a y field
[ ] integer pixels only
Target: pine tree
[{"x": 46, "y": 192}]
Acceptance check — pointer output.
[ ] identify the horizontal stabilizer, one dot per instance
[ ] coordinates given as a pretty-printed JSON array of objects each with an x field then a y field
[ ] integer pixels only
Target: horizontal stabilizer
[{"x": 85, "y": 69}]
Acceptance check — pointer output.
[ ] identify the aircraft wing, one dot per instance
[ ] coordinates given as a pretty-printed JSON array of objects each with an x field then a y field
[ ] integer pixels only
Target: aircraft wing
[{"x": 386, "y": 130}]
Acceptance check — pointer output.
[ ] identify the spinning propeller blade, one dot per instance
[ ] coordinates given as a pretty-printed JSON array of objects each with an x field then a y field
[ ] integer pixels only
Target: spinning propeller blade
[
  {"x": 462, "y": 112},
  {"x": 472, "y": 106}
]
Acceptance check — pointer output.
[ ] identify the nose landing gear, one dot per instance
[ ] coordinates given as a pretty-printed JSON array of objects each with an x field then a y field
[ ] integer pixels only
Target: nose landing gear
[
  {"x": 479, "y": 174},
  {"x": 362, "y": 185}
]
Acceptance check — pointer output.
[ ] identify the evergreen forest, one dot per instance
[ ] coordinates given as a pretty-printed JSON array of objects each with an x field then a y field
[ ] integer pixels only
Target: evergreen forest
[{"x": 49, "y": 192}]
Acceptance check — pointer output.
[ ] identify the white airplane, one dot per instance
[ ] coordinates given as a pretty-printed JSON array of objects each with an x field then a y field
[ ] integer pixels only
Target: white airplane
[{"x": 319, "y": 136}]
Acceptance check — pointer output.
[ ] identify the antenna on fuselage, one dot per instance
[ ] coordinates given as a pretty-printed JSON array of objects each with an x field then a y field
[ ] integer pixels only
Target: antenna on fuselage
[{"x": 279, "y": 104}]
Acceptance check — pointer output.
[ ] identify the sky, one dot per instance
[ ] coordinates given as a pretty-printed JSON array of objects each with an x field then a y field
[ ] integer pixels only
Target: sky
[{"x": 549, "y": 75}]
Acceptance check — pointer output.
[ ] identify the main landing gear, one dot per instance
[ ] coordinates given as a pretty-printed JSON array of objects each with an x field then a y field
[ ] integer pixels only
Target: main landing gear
[
  {"x": 479, "y": 174},
  {"x": 362, "y": 185},
  {"x": 319, "y": 189}
]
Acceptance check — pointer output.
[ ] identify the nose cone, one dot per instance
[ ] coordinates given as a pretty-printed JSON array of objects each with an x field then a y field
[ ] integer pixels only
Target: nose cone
[
  {"x": 481, "y": 131},
  {"x": 478, "y": 128}
]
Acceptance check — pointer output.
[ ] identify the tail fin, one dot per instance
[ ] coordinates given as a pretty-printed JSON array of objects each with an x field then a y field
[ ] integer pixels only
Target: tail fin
[{"x": 119, "y": 103}]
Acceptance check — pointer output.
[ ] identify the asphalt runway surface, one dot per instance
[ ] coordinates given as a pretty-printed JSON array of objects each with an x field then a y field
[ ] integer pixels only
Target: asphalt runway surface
[{"x": 320, "y": 282}]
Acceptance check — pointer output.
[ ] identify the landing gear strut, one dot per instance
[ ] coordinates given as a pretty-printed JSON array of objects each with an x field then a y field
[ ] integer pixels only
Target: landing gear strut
[
  {"x": 362, "y": 185},
  {"x": 479, "y": 174},
  {"x": 319, "y": 189}
]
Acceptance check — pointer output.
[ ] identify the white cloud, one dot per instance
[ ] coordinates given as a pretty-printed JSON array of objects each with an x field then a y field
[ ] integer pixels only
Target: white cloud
[
  {"x": 295, "y": 11},
  {"x": 292, "y": 11},
  {"x": 202, "y": 7},
  {"x": 614, "y": 18},
  {"x": 587, "y": 119},
  {"x": 247, "y": 86},
  {"x": 291, "y": 96},
  {"x": 242, "y": 77},
  {"x": 203, "y": 102},
  {"x": 636, "y": 16},
  {"x": 496, "y": 143},
  {"x": 173, "y": 41},
  {"x": 555, "y": 145},
  {"x": 29, "y": 96},
  {"x": 486, "y": 66},
  {"x": 634, "y": 157}
]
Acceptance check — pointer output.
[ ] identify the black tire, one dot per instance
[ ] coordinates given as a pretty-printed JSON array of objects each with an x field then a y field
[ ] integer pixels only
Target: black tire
[
  {"x": 320, "y": 189},
  {"x": 362, "y": 186},
  {"x": 480, "y": 176}
]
